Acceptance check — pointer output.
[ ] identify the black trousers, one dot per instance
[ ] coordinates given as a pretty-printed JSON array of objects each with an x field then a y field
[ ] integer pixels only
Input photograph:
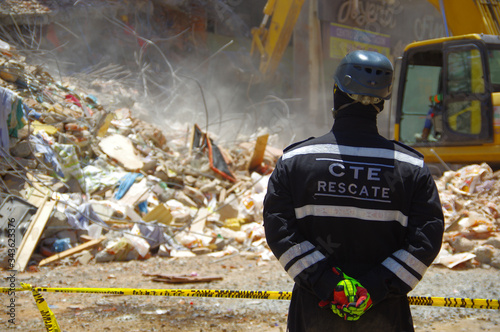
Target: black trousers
[{"x": 304, "y": 314}]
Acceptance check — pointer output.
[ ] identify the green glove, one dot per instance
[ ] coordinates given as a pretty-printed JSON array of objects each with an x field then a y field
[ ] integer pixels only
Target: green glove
[
  {"x": 350, "y": 298},
  {"x": 362, "y": 303}
]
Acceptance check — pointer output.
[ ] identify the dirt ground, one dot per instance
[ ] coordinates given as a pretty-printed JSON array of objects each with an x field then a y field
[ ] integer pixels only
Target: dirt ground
[{"x": 100, "y": 312}]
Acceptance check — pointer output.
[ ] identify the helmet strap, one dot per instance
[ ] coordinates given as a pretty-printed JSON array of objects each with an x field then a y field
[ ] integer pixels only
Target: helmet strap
[
  {"x": 366, "y": 100},
  {"x": 343, "y": 100}
]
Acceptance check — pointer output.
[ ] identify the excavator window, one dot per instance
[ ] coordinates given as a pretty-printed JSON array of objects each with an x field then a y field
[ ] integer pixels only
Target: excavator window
[
  {"x": 465, "y": 79},
  {"x": 494, "y": 59},
  {"x": 444, "y": 94},
  {"x": 421, "y": 81},
  {"x": 465, "y": 72}
]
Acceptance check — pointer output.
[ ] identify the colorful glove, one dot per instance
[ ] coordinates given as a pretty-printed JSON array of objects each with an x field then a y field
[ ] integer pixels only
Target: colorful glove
[
  {"x": 362, "y": 302},
  {"x": 350, "y": 298}
]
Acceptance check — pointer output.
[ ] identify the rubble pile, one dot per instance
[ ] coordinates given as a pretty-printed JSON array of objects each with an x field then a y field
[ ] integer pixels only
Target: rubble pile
[
  {"x": 471, "y": 205},
  {"x": 21, "y": 10},
  {"x": 103, "y": 185}
]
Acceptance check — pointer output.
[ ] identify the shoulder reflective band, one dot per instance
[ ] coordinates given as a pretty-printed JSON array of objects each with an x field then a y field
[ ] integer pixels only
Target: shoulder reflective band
[{"x": 452, "y": 302}]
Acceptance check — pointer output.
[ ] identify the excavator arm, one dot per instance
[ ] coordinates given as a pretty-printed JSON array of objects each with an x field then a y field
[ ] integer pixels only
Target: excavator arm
[
  {"x": 271, "y": 38},
  {"x": 463, "y": 17}
]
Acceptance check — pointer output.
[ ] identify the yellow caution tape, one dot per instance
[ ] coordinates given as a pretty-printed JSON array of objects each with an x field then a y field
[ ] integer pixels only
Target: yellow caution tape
[
  {"x": 452, "y": 302},
  {"x": 47, "y": 315},
  {"x": 51, "y": 324},
  {"x": 215, "y": 293}
]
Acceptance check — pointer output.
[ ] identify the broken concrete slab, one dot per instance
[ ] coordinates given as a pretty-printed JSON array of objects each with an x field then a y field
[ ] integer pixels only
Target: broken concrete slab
[{"x": 121, "y": 149}]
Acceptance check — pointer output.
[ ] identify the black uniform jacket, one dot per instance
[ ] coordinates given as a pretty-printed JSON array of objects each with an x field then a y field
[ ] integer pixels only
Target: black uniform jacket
[{"x": 354, "y": 200}]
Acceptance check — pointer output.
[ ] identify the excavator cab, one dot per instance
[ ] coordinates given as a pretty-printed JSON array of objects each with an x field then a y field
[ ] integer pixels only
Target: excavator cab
[{"x": 465, "y": 73}]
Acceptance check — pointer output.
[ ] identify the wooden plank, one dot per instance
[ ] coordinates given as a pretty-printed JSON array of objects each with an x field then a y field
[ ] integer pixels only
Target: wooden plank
[
  {"x": 258, "y": 152},
  {"x": 33, "y": 233},
  {"x": 38, "y": 192},
  {"x": 85, "y": 238},
  {"x": 72, "y": 251},
  {"x": 161, "y": 213},
  {"x": 35, "y": 198},
  {"x": 181, "y": 278}
]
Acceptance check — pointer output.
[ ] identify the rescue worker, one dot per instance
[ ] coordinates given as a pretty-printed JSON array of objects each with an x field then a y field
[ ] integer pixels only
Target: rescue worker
[{"x": 355, "y": 219}]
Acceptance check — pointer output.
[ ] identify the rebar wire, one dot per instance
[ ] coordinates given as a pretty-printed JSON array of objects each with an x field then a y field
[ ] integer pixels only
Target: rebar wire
[
  {"x": 42, "y": 55},
  {"x": 282, "y": 102},
  {"x": 203, "y": 98},
  {"x": 142, "y": 72},
  {"x": 33, "y": 52},
  {"x": 68, "y": 30},
  {"x": 32, "y": 34},
  {"x": 13, "y": 169},
  {"x": 104, "y": 71},
  {"x": 174, "y": 94},
  {"x": 5, "y": 186},
  {"x": 18, "y": 29},
  {"x": 6, "y": 36},
  {"x": 269, "y": 99},
  {"x": 219, "y": 108},
  {"x": 213, "y": 55},
  {"x": 149, "y": 42}
]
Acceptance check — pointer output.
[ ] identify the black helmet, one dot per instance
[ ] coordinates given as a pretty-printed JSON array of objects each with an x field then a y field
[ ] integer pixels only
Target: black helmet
[{"x": 365, "y": 73}]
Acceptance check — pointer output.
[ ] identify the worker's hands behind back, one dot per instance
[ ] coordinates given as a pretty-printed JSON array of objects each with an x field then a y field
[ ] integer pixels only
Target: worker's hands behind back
[{"x": 350, "y": 298}]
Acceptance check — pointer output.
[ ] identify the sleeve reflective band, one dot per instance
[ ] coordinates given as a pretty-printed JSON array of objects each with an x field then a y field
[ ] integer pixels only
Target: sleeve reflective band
[
  {"x": 411, "y": 261},
  {"x": 294, "y": 252},
  {"x": 400, "y": 272},
  {"x": 304, "y": 263}
]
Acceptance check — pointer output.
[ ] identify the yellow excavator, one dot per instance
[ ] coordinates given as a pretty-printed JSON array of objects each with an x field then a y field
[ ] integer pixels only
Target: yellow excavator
[
  {"x": 447, "y": 91},
  {"x": 447, "y": 98}
]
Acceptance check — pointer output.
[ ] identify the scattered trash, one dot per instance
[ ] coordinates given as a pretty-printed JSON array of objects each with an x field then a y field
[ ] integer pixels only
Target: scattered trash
[{"x": 470, "y": 200}]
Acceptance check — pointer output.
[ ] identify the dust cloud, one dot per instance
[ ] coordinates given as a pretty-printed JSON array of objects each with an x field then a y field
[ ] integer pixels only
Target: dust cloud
[{"x": 172, "y": 66}]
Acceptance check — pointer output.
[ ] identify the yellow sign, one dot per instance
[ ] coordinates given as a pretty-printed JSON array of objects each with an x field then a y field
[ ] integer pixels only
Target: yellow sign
[{"x": 344, "y": 39}]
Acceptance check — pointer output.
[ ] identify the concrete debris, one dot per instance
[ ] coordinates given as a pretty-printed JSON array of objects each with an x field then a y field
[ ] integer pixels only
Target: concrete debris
[
  {"x": 23, "y": 11},
  {"x": 120, "y": 188},
  {"x": 471, "y": 205}
]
